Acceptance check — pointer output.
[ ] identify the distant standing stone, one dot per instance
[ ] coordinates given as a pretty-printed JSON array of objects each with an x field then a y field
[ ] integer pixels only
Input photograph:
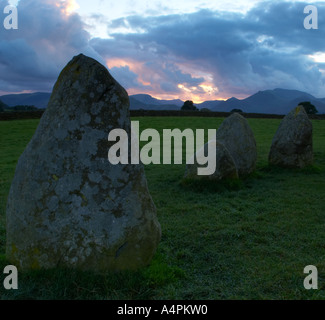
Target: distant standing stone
[
  {"x": 68, "y": 206},
  {"x": 225, "y": 166},
  {"x": 292, "y": 145},
  {"x": 238, "y": 138}
]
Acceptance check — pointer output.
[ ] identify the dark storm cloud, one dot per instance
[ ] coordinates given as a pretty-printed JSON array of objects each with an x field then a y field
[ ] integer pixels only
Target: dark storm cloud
[
  {"x": 175, "y": 75},
  {"x": 156, "y": 66},
  {"x": 32, "y": 56},
  {"x": 126, "y": 77},
  {"x": 265, "y": 48}
]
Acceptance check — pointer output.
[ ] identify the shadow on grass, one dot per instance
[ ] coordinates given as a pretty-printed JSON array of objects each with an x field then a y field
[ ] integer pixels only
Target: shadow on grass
[
  {"x": 211, "y": 186},
  {"x": 311, "y": 169},
  {"x": 68, "y": 284}
]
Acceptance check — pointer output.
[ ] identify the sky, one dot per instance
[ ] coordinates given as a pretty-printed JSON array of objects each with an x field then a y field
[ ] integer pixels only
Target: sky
[{"x": 180, "y": 49}]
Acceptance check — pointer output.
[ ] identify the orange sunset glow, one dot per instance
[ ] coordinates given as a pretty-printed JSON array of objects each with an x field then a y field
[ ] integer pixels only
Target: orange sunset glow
[
  {"x": 67, "y": 6},
  {"x": 198, "y": 94}
]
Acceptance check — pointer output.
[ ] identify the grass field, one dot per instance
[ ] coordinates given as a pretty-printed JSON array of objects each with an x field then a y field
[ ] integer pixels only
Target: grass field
[{"x": 250, "y": 240}]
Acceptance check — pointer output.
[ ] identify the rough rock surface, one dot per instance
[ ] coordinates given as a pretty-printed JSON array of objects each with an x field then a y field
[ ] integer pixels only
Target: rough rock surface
[
  {"x": 225, "y": 166},
  {"x": 238, "y": 138},
  {"x": 68, "y": 206},
  {"x": 292, "y": 145}
]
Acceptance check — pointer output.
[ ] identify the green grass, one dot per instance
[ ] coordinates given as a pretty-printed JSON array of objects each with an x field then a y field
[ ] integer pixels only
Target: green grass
[{"x": 245, "y": 240}]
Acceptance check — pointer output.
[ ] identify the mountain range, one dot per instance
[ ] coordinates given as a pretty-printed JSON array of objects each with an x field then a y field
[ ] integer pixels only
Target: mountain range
[{"x": 277, "y": 101}]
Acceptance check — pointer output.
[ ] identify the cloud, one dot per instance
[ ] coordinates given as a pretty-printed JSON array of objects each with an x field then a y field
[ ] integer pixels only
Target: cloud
[
  {"x": 156, "y": 73},
  {"x": 203, "y": 55},
  {"x": 265, "y": 48},
  {"x": 47, "y": 38},
  {"x": 128, "y": 78}
]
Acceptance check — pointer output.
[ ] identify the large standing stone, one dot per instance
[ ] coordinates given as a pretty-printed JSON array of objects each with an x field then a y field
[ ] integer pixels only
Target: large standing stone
[
  {"x": 68, "y": 206},
  {"x": 225, "y": 166},
  {"x": 238, "y": 138},
  {"x": 292, "y": 145}
]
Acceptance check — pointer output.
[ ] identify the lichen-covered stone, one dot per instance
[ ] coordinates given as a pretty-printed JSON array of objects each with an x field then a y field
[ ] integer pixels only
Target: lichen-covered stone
[
  {"x": 292, "y": 145},
  {"x": 225, "y": 166},
  {"x": 68, "y": 206},
  {"x": 238, "y": 138}
]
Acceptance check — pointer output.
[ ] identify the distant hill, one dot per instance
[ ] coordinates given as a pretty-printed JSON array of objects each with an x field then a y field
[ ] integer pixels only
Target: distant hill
[
  {"x": 149, "y": 100},
  {"x": 37, "y": 99},
  {"x": 138, "y": 101},
  {"x": 154, "y": 104},
  {"x": 208, "y": 104},
  {"x": 277, "y": 101}
]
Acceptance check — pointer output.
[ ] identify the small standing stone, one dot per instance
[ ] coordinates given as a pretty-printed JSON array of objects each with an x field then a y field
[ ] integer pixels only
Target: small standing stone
[
  {"x": 292, "y": 145},
  {"x": 225, "y": 166},
  {"x": 238, "y": 138}
]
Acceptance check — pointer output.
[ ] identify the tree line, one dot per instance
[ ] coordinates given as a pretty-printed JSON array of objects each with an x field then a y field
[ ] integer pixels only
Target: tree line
[
  {"x": 189, "y": 106},
  {"x": 4, "y": 107}
]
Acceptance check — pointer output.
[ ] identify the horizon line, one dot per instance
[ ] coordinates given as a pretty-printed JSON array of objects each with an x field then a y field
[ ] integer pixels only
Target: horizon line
[{"x": 163, "y": 99}]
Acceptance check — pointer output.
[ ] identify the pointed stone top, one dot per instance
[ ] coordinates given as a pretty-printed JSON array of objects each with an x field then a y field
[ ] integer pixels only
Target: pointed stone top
[
  {"x": 83, "y": 83},
  {"x": 299, "y": 109},
  {"x": 85, "y": 76}
]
